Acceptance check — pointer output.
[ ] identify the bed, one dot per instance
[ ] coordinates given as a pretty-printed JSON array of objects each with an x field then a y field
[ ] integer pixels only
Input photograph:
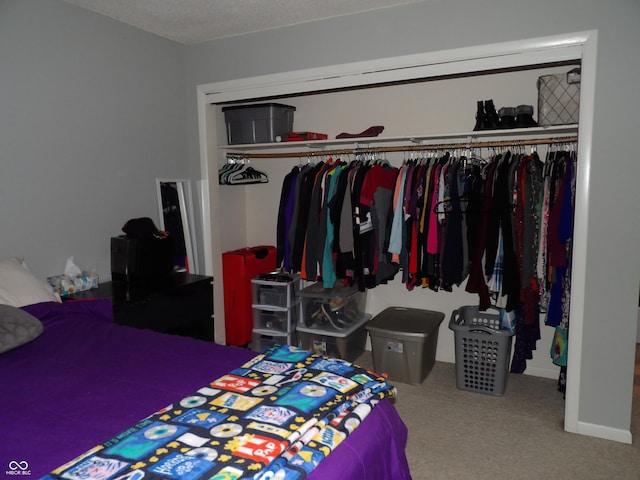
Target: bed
[{"x": 85, "y": 381}]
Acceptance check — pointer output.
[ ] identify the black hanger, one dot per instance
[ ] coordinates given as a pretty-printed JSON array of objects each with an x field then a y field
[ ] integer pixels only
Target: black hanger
[{"x": 247, "y": 175}]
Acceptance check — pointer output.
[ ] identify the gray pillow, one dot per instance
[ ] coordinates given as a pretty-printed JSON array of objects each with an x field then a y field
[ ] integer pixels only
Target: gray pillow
[{"x": 17, "y": 327}]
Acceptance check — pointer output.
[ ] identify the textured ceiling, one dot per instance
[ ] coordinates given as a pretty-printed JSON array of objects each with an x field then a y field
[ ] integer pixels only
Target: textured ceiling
[{"x": 195, "y": 21}]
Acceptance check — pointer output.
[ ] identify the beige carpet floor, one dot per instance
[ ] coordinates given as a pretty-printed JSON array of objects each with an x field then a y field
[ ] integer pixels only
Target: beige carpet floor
[{"x": 456, "y": 434}]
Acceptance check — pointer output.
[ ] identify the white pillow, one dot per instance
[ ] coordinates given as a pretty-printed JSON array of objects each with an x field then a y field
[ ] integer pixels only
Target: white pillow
[{"x": 18, "y": 286}]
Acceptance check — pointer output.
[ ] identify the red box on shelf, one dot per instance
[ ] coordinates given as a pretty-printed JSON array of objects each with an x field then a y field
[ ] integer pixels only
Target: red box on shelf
[{"x": 305, "y": 136}]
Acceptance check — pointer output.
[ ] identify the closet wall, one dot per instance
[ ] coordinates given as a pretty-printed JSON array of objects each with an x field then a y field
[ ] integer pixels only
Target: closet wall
[
  {"x": 441, "y": 106},
  {"x": 602, "y": 392}
]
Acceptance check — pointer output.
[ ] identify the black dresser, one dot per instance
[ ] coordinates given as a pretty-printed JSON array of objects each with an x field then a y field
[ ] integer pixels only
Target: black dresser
[{"x": 181, "y": 304}]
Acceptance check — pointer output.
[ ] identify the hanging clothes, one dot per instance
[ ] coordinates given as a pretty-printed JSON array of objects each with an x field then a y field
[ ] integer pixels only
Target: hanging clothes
[
  {"x": 285, "y": 218},
  {"x": 504, "y": 225},
  {"x": 477, "y": 280},
  {"x": 328, "y": 271},
  {"x": 528, "y": 183},
  {"x": 560, "y": 254},
  {"x": 340, "y": 223},
  {"x": 316, "y": 229},
  {"x": 376, "y": 202}
]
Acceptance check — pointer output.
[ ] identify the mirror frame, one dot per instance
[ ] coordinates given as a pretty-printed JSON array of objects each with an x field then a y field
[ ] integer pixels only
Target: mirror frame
[{"x": 183, "y": 187}]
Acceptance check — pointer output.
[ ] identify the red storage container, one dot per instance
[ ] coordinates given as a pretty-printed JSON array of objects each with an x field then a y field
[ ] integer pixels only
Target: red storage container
[{"x": 238, "y": 268}]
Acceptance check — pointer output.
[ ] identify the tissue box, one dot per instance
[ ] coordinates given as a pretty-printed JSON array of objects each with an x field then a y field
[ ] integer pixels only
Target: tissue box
[{"x": 67, "y": 284}]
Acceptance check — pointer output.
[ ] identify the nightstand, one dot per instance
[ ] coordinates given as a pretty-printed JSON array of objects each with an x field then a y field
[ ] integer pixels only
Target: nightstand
[{"x": 182, "y": 304}]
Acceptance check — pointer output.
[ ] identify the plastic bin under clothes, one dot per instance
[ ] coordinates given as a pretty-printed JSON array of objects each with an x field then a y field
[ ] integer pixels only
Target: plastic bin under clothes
[
  {"x": 347, "y": 344},
  {"x": 331, "y": 309},
  {"x": 482, "y": 350},
  {"x": 404, "y": 342}
]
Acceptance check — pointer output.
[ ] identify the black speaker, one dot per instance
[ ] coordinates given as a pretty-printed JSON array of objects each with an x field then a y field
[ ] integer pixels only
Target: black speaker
[{"x": 140, "y": 259}]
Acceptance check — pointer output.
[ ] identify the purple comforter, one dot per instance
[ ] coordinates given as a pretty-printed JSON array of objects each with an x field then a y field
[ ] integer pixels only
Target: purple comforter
[{"x": 85, "y": 379}]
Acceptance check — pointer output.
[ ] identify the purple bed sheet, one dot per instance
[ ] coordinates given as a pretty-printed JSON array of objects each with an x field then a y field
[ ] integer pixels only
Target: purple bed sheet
[{"x": 86, "y": 379}]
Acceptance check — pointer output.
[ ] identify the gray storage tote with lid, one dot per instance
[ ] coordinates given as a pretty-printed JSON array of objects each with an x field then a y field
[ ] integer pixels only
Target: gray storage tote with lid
[{"x": 404, "y": 341}]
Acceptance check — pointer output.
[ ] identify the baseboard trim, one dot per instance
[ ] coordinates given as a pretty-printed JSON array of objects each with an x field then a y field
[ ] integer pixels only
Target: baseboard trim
[
  {"x": 551, "y": 373},
  {"x": 607, "y": 433}
]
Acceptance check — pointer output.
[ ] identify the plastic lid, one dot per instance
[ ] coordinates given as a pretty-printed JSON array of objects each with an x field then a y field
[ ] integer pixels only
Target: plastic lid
[
  {"x": 281, "y": 277},
  {"x": 413, "y": 322},
  {"x": 333, "y": 333},
  {"x": 259, "y": 105},
  {"x": 318, "y": 291}
]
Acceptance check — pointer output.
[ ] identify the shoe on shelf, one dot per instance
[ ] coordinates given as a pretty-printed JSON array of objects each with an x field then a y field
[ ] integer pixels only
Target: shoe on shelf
[
  {"x": 507, "y": 117},
  {"x": 493, "y": 121},
  {"x": 481, "y": 117},
  {"x": 524, "y": 117}
]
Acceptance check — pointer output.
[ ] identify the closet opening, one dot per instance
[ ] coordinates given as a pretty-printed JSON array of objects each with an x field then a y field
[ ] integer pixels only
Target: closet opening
[{"x": 229, "y": 205}]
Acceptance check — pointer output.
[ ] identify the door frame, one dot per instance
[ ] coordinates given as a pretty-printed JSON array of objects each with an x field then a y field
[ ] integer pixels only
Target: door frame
[{"x": 515, "y": 54}]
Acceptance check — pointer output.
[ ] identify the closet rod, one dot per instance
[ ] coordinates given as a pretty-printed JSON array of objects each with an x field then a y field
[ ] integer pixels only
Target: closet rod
[{"x": 411, "y": 148}]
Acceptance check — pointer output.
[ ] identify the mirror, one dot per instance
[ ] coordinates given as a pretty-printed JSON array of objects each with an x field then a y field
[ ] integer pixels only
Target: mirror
[{"x": 176, "y": 217}]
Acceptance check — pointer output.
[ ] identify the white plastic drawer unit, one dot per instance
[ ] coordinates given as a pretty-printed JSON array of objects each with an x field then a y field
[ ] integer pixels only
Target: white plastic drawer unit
[
  {"x": 275, "y": 290},
  {"x": 275, "y": 320}
]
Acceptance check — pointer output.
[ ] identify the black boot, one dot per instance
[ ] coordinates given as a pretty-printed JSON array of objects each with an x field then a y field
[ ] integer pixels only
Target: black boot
[
  {"x": 524, "y": 117},
  {"x": 507, "y": 117},
  {"x": 481, "y": 118},
  {"x": 493, "y": 122}
]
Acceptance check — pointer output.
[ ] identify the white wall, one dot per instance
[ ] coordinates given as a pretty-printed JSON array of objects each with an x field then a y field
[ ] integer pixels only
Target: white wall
[
  {"x": 91, "y": 112},
  {"x": 606, "y": 381}
]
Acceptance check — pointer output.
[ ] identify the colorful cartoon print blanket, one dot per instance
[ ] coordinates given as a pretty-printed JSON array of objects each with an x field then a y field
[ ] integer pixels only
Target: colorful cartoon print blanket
[{"x": 277, "y": 416}]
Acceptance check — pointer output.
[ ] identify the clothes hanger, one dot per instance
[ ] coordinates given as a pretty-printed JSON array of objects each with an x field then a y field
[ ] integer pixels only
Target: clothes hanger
[
  {"x": 246, "y": 175},
  {"x": 234, "y": 162},
  {"x": 477, "y": 158},
  {"x": 239, "y": 165}
]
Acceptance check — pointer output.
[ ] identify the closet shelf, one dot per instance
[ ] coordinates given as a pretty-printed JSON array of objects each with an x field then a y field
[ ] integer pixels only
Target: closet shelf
[{"x": 368, "y": 142}]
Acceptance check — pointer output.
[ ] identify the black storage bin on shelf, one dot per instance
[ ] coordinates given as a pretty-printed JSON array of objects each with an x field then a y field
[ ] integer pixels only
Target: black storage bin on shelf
[{"x": 262, "y": 123}]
